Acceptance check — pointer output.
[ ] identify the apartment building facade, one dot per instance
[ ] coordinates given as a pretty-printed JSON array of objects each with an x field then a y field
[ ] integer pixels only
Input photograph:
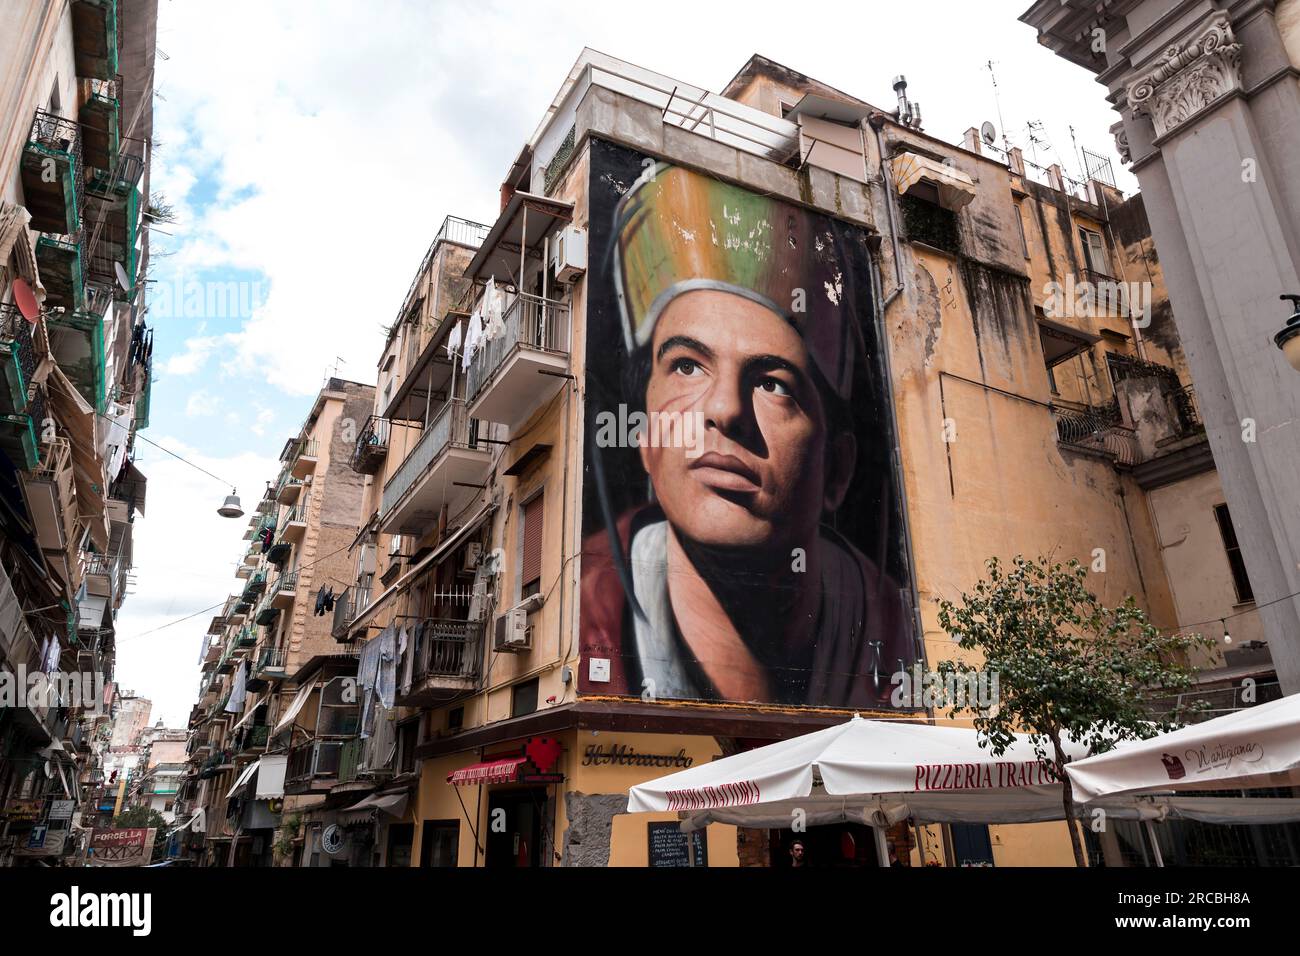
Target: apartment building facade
[
  {"x": 1019, "y": 387},
  {"x": 76, "y": 107},
  {"x": 250, "y": 761},
  {"x": 978, "y": 359}
]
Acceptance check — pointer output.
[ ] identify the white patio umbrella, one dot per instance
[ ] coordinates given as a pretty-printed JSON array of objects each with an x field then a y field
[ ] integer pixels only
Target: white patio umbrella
[
  {"x": 1251, "y": 748},
  {"x": 868, "y": 771}
]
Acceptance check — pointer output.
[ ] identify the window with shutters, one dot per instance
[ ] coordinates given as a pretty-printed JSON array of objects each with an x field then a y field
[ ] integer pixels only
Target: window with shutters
[
  {"x": 1094, "y": 252},
  {"x": 530, "y": 566}
]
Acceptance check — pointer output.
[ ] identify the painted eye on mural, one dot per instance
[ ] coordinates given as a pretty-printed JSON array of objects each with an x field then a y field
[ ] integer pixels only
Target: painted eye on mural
[
  {"x": 775, "y": 387},
  {"x": 685, "y": 366}
]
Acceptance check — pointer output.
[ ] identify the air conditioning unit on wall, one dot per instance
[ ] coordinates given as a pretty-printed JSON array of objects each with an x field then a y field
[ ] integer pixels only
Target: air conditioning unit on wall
[
  {"x": 569, "y": 254},
  {"x": 512, "y": 632}
]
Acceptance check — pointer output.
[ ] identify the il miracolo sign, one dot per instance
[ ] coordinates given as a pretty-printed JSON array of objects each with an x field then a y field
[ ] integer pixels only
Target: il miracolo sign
[{"x": 743, "y": 539}]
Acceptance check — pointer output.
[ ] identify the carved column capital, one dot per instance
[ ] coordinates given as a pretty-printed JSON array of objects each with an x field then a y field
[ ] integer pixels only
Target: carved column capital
[{"x": 1189, "y": 77}]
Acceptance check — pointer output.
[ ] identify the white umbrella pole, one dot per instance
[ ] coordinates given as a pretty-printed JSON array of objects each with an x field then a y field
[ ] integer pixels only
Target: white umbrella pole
[
  {"x": 882, "y": 845},
  {"x": 1155, "y": 844}
]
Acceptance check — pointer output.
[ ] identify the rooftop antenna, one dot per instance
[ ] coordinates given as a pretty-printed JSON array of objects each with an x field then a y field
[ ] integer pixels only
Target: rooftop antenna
[
  {"x": 1034, "y": 127},
  {"x": 997, "y": 102},
  {"x": 334, "y": 370}
]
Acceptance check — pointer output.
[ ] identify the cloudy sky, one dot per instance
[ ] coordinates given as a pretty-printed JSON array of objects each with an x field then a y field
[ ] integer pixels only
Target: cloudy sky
[{"x": 311, "y": 150}]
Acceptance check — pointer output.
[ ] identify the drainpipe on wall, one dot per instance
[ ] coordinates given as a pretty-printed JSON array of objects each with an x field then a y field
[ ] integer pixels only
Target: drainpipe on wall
[{"x": 877, "y": 121}]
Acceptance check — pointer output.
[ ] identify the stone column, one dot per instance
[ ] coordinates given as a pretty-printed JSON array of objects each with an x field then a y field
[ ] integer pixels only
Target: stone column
[{"x": 1211, "y": 110}]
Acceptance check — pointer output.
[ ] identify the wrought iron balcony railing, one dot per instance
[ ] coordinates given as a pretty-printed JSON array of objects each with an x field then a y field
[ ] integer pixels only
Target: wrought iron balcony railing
[
  {"x": 371, "y": 446},
  {"x": 445, "y": 648},
  {"x": 452, "y": 426},
  {"x": 529, "y": 322}
]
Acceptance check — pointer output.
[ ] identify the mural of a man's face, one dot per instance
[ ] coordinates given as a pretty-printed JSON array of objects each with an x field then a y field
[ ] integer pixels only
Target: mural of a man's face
[{"x": 759, "y": 477}]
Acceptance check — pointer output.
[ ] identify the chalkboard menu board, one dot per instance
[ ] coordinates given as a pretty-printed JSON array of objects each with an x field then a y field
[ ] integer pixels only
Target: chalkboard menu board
[{"x": 668, "y": 845}]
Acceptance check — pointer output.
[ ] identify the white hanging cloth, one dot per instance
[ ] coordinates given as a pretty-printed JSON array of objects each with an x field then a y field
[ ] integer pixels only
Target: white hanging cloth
[
  {"x": 492, "y": 306},
  {"x": 453, "y": 341},
  {"x": 473, "y": 338}
]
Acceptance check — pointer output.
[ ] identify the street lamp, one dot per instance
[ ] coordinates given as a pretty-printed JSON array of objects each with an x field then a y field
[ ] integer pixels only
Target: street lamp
[
  {"x": 230, "y": 508},
  {"x": 1288, "y": 340}
]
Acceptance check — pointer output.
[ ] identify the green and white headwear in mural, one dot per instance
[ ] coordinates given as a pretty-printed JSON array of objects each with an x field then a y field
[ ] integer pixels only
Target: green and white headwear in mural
[{"x": 680, "y": 231}]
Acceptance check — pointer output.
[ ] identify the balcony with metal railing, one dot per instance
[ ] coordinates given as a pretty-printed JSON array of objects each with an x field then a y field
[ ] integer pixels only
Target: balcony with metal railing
[
  {"x": 113, "y": 247},
  {"x": 1095, "y": 429},
  {"x": 284, "y": 590},
  {"x": 372, "y": 445},
  {"x": 521, "y": 366},
  {"x": 268, "y": 665},
  {"x": 294, "y": 526},
  {"x": 96, "y": 37},
  {"x": 52, "y": 174},
  {"x": 445, "y": 467},
  {"x": 61, "y": 257},
  {"x": 77, "y": 343},
  {"x": 121, "y": 179},
  {"x": 101, "y": 122},
  {"x": 302, "y": 457},
  {"x": 20, "y": 432},
  {"x": 288, "y": 489},
  {"x": 255, "y": 586},
  {"x": 17, "y": 360},
  {"x": 447, "y": 659}
]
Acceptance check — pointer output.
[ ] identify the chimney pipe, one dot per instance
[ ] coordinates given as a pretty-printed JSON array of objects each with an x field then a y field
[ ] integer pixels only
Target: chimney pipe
[{"x": 904, "y": 108}]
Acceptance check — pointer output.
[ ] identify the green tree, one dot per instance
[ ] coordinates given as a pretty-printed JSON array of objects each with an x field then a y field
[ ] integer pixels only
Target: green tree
[{"x": 1067, "y": 667}]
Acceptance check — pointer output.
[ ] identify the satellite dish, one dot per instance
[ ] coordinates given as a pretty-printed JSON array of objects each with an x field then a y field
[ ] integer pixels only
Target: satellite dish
[
  {"x": 122, "y": 279},
  {"x": 988, "y": 133},
  {"x": 49, "y": 769},
  {"x": 26, "y": 299}
]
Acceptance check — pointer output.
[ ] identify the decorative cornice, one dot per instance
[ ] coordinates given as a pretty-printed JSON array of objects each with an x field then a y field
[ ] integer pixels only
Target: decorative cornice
[{"x": 1189, "y": 77}]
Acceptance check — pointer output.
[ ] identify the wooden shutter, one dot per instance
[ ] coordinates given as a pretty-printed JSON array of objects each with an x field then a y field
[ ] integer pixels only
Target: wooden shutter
[{"x": 532, "y": 564}]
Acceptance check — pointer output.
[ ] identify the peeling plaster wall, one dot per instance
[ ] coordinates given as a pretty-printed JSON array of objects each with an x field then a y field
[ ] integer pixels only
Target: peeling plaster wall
[{"x": 1004, "y": 485}]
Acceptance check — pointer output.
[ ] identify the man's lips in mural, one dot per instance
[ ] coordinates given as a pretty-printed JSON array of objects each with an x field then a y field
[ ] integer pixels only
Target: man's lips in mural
[{"x": 725, "y": 473}]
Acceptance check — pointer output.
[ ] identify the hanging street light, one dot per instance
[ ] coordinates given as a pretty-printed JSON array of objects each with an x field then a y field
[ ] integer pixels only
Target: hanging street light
[
  {"x": 230, "y": 508},
  {"x": 1288, "y": 340}
]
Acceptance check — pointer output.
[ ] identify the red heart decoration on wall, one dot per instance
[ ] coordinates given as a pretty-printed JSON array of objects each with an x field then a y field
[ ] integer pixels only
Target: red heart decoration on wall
[{"x": 543, "y": 752}]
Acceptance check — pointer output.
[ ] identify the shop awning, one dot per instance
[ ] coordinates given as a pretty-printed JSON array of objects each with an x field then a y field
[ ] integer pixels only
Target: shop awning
[
  {"x": 243, "y": 778},
  {"x": 489, "y": 771},
  {"x": 270, "y": 777},
  {"x": 393, "y": 804},
  {"x": 438, "y": 554},
  {"x": 78, "y": 420},
  {"x": 303, "y": 693},
  {"x": 249, "y": 709},
  {"x": 195, "y": 821},
  {"x": 955, "y": 188},
  {"x": 1256, "y": 747}
]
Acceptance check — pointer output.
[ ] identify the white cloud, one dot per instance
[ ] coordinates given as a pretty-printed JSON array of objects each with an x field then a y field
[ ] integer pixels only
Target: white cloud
[
  {"x": 185, "y": 558},
  {"x": 193, "y": 358},
  {"x": 201, "y": 403}
]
